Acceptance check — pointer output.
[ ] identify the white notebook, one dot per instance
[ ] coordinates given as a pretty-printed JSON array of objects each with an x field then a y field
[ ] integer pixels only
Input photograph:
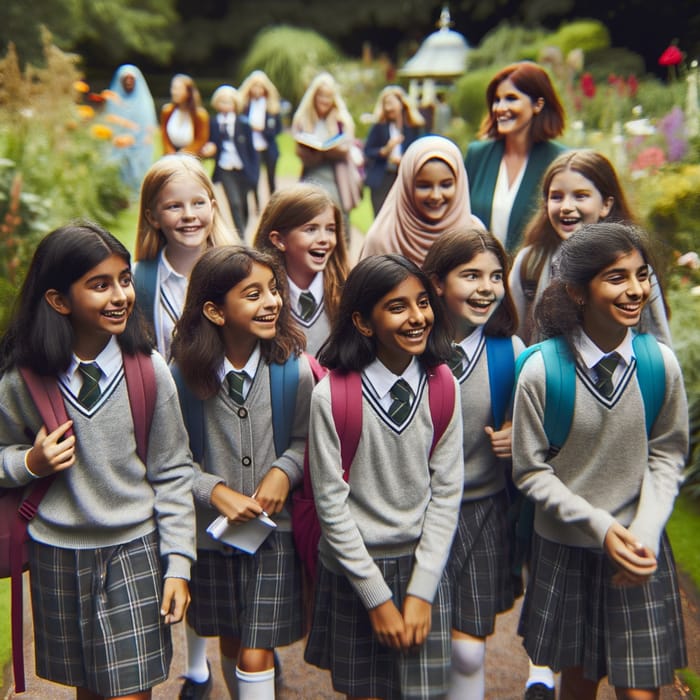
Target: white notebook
[{"x": 247, "y": 536}]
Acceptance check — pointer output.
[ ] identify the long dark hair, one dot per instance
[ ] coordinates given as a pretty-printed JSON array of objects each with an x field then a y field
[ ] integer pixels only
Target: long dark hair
[
  {"x": 370, "y": 280},
  {"x": 588, "y": 251},
  {"x": 458, "y": 247},
  {"x": 198, "y": 347},
  {"x": 39, "y": 337}
]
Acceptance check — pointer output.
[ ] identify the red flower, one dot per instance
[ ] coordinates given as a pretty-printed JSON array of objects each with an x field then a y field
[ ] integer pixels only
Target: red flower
[
  {"x": 95, "y": 97},
  {"x": 588, "y": 85},
  {"x": 672, "y": 56}
]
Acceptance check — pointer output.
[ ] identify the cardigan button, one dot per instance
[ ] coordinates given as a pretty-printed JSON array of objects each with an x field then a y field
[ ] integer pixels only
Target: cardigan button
[
  {"x": 246, "y": 461},
  {"x": 242, "y": 412}
]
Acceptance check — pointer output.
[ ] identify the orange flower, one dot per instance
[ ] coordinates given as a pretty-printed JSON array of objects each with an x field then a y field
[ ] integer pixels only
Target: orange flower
[
  {"x": 124, "y": 141},
  {"x": 81, "y": 86},
  {"x": 100, "y": 131},
  {"x": 86, "y": 112}
]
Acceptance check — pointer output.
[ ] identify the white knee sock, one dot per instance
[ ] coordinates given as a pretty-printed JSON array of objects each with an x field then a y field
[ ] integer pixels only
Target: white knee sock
[
  {"x": 467, "y": 671},
  {"x": 256, "y": 686},
  {"x": 197, "y": 668},
  {"x": 540, "y": 674}
]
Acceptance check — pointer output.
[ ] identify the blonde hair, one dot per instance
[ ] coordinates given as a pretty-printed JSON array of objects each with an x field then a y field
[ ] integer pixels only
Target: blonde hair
[
  {"x": 150, "y": 240},
  {"x": 223, "y": 92},
  {"x": 292, "y": 207},
  {"x": 412, "y": 115},
  {"x": 306, "y": 117},
  {"x": 272, "y": 95}
]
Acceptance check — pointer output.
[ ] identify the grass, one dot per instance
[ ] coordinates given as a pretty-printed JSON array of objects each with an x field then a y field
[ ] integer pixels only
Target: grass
[{"x": 682, "y": 529}]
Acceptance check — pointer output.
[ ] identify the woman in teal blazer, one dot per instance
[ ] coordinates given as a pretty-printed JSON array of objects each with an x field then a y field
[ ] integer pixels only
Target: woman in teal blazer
[{"x": 505, "y": 168}]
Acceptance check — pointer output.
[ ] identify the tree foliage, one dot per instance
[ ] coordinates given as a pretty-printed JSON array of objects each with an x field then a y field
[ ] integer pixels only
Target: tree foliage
[{"x": 116, "y": 28}]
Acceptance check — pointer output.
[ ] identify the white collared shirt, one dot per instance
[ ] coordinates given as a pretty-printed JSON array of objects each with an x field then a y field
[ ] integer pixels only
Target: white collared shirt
[
  {"x": 250, "y": 368},
  {"x": 172, "y": 288},
  {"x": 109, "y": 361},
  {"x": 470, "y": 344},
  {"x": 316, "y": 288},
  {"x": 383, "y": 379},
  {"x": 590, "y": 354},
  {"x": 503, "y": 200},
  {"x": 257, "y": 112},
  {"x": 229, "y": 158}
]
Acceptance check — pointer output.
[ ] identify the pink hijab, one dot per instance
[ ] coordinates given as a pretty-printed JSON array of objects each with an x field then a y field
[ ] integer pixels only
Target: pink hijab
[{"x": 398, "y": 228}]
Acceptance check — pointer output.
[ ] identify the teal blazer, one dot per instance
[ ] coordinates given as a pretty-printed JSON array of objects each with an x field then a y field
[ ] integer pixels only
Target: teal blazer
[{"x": 482, "y": 163}]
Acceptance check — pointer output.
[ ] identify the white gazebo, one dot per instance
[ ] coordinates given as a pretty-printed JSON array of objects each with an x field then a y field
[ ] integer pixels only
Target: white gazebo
[{"x": 441, "y": 58}]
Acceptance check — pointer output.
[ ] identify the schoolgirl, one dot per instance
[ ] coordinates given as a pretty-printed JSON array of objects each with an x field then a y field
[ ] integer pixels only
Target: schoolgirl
[
  {"x": 429, "y": 197},
  {"x": 468, "y": 268},
  {"x": 260, "y": 101},
  {"x": 602, "y": 598},
  {"x": 302, "y": 227},
  {"x": 579, "y": 187},
  {"x": 184, "y": 123},
  {"x": 382, "y": 611},
  {"x": 234, "y": 326},
  {"x": 110, "y": 528},
  {"x": 178, "y": 220}
]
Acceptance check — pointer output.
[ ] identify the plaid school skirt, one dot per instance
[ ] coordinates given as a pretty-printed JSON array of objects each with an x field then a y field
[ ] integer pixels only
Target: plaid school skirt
[
  {"x": 252, "y": 597},
  {"x": 574, "y": 616},
  {"x": 97, "y": 621},
  {"x": 342, "y": 640},
  {"x": 479, "y": 565}
]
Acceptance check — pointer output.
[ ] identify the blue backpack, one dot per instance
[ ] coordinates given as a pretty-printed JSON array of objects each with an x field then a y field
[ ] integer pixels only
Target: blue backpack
[
  {"x": 501, "y": 364},
  {"x": 560, "y": 390}
]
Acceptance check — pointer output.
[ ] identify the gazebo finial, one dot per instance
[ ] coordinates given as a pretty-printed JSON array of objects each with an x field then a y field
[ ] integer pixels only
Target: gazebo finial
[{"x": 445, "y": 21}]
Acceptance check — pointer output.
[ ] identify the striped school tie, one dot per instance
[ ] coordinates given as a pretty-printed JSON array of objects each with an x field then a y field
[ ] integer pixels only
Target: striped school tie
[
  {"x": 236, "y": 380},
  {"x": 458, "y": 361},
  {"x": 307, "y": 305},
  {"x": 90, "y": 390},
  {"x": 604, "y": 371},
  {"x": 401, "y": 405}
]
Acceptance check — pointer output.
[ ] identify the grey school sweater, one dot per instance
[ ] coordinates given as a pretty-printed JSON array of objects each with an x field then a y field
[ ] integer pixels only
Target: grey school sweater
[
  {"x": 397, "y": 501},
  {"x": 484, "y": 473},
  {"x": 316, "y": 329},
  {"x": 108, "y": 496},
  {"x": 607, "y": 470},
  {"x": 239, "y": 448}
]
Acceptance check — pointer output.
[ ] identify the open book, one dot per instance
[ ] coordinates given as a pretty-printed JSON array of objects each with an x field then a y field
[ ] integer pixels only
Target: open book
[
  {"x": 247, "y": 536},
  {"x": 312, "y": 141}
]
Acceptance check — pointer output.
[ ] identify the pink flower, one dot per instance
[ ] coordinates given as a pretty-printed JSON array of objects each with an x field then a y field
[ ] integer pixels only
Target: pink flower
[{"x": 672, "y": 56}]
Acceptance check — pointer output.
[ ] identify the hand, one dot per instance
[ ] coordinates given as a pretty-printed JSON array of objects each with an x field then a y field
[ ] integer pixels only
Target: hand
[
  {"x": 501, "y": 440},
  {"x": 272, "y": 491},
  {"x": 50, "y": 453},
  {"x": 176, "y": 600},
  {"x": 237, "y": 507},
  {"x": 417, "y": 619},
  {"x": 388, "y": 625},
  {"x": 208, "y": 150},
  {"x": 635, "y": 562}
]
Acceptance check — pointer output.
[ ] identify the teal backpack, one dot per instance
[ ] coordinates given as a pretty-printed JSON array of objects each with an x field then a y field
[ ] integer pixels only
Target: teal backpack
[{"x": 560, "y": 388}]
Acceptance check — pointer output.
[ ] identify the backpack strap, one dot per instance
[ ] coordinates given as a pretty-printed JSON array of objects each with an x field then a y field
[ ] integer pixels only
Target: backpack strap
[
  {"x": 651, "y": 376},
  {"x": 346, "y": 405},
  {"x": 49, "y": 402},
  {"x": 284, "y": 380},
  {"x": 141, "y": 386},
  {"x": 501, "y": 365},
  {"x": 145, "y": 281},
  {"x": 192, "y": 413},
  {"x": 560, "y": 388},
  {"x": 441, "y": 396},
  {"x": 319, "y": 372}
]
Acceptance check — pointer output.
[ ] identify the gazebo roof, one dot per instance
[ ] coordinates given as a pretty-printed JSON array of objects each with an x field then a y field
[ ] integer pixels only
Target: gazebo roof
[{"x": 443, "y": 54}]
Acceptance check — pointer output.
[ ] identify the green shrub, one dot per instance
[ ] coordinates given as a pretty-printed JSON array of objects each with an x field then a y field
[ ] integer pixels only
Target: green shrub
[
  {"x": 584, "y": 34},
  {"x": 290, "y": 57},
  {"x": 468, "y": 99},
  {"x": 603, "y": 62},
  {"x": 503, "y": 45}
]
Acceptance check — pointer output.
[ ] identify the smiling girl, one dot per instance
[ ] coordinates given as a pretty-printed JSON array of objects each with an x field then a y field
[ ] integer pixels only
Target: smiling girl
[
  {"x": 579, "y": 187},
  {"x": 602, "y": 598},
  {"x": 469, "y": 271},
  {"x": 301, "y": 226},
  {"x": 382, "y": 601},
  {"x": 178, "y": 220},
  {"x": 235, "y": 325},
  {"x": 111, "y": 528},
  {"x": 430, "y": 196}
]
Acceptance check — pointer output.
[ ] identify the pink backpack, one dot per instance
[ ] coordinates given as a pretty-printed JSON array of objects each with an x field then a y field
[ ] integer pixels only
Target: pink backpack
[
  {"x": 19, "y": 505},
  {"x": 346, "y": 405}
]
